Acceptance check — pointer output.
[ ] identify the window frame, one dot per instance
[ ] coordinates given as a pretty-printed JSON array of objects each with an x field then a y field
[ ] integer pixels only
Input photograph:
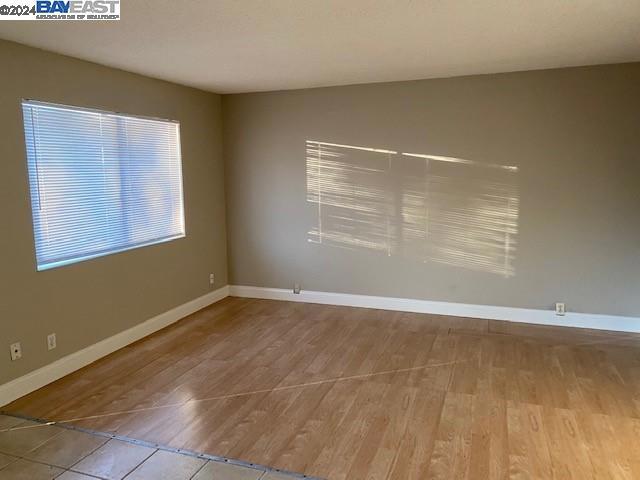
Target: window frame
[{"x": 82, "y": 258}]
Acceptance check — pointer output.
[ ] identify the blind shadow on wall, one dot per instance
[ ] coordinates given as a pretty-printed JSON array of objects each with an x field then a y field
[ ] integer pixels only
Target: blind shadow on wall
[{"x": 419, "y": 206}]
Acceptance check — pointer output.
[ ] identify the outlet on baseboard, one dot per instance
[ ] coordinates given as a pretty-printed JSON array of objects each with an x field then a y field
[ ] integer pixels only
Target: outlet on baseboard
[
  {"x": 296, "y": 288},
  {"x": 51, "y": 341},
  {"x": 212, "y": 279},
  {"x": 16, "y": 351},
  {"x": 560, "y": 309}
]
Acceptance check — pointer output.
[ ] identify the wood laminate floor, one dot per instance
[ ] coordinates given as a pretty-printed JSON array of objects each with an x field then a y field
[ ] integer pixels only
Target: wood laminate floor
[{"x": 346, "y": 393}]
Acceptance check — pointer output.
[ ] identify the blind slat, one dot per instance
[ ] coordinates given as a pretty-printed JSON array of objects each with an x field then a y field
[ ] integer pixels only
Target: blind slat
[{"x": 100, "y": 182}]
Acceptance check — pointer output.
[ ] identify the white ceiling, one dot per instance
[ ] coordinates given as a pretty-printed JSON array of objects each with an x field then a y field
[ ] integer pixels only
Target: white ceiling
[{"x": 229, "y": 46}]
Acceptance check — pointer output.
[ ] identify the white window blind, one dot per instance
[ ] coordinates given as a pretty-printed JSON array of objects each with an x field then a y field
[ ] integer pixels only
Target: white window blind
[{"x": 100, "y": 182}]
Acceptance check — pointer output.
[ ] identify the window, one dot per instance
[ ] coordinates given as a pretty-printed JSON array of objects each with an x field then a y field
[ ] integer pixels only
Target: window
[{"x": 100, "y": 182}]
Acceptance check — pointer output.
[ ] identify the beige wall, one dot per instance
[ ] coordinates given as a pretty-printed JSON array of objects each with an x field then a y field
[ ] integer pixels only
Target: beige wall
[
  {"x": 92, "y": 300},
  {"x": 573, "y": 134},
  {"x": 570, "y": 230}
]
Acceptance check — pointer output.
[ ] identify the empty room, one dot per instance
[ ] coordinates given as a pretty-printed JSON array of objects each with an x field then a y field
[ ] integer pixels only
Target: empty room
[{"x": 319, "y": 239}]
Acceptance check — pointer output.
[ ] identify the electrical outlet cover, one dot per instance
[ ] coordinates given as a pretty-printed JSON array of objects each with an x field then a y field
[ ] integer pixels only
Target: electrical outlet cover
[{"x": 16, "y": 351}]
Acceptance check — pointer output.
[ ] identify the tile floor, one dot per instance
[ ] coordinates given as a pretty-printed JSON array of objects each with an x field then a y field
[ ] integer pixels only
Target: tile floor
[{"x": 33, "y": 451}]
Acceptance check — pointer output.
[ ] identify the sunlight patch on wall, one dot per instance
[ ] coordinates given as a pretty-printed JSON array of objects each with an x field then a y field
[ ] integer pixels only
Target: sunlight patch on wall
[
  {"x": 349, "y": 185},
  {"x": 425, "y": 207}
]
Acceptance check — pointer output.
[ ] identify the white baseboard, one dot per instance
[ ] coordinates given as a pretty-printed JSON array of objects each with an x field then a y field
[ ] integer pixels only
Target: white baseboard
[
  {"x": 39, "y": 378},
  {"x": 522, "y": 315}
]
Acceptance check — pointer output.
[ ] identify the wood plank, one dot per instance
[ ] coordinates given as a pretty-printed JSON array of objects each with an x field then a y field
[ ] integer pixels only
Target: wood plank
[{"x": 347, "y": 393}]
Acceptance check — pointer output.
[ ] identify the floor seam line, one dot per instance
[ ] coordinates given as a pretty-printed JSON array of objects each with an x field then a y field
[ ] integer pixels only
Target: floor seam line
[{"x": 158, "y": 447}]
